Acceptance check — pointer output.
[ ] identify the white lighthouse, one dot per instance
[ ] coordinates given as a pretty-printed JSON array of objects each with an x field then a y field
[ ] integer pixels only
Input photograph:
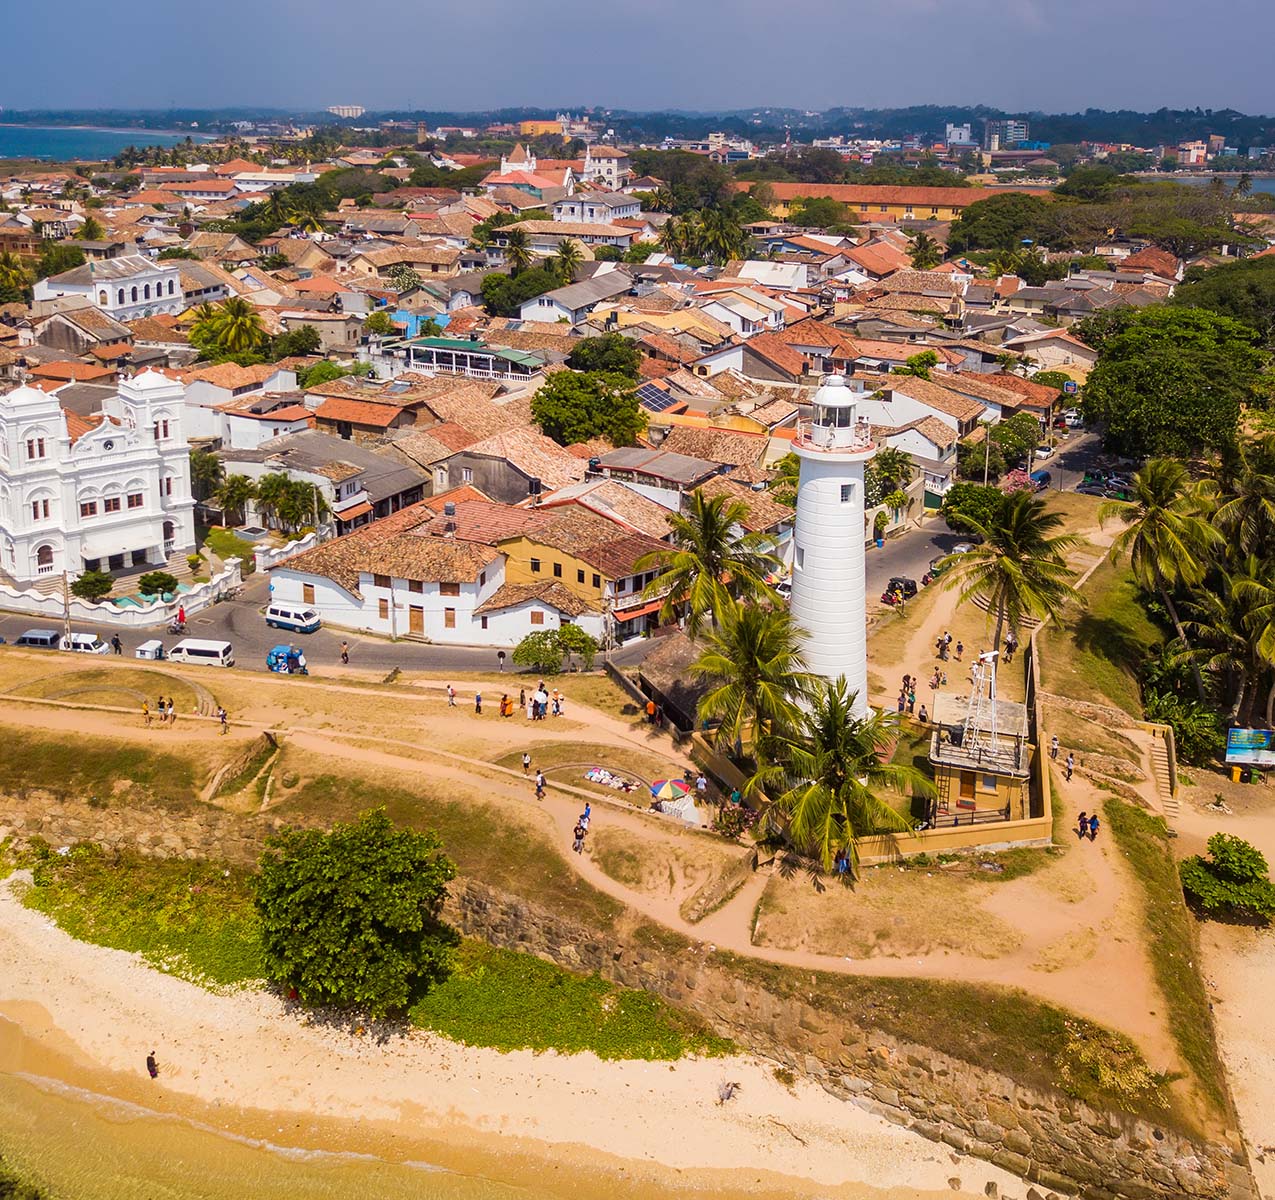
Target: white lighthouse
[{"x": 829, "y": 584}]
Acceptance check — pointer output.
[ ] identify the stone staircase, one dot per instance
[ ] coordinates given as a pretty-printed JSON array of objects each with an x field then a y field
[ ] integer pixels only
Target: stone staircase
[{"x": 1159, "y": 755}]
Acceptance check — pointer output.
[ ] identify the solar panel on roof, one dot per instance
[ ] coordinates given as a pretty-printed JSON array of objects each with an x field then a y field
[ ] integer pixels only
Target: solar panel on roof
[{"x": 654, "y": 399}]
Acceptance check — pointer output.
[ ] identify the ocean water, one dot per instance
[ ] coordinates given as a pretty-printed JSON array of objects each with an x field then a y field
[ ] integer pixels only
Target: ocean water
[
  {"x": 1262, "y": 184},
  {"x": 63, "y": 143}
]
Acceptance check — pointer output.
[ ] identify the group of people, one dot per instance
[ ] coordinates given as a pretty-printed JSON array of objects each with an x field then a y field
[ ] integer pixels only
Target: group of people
[
  {"x": 654, "y": 714},
  {"x": 1087, "y": 827},
  {"x": 542, "y": 703},
  {"x": 581, "y": 829},
  {"x": 907, "y": 696},
  {"x": 165, "y": 710}
]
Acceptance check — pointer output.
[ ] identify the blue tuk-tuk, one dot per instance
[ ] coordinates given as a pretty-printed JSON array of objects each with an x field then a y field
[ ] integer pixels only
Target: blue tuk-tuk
[{"x": 287, "y": 660}]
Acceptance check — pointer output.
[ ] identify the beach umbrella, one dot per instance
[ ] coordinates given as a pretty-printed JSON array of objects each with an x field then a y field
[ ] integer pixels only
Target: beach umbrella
[{"x": 669, "y": 789}]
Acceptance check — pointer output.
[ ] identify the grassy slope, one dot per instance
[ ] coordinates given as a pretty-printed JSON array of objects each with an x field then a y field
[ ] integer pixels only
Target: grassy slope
[
  {"x": 1171, "y": 940},
  {"x": 197, "y": 921},
  {"x": 1095, "y": 654}
]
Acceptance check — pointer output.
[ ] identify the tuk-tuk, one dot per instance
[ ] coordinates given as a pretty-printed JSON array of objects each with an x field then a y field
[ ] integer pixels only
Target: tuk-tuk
[
  {"x": 287, "y": 660},
  {"x": 153, "y": 650}
]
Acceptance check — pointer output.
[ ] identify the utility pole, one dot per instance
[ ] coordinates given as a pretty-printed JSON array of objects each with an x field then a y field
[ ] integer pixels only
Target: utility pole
[{"x": 66, "y": 610}]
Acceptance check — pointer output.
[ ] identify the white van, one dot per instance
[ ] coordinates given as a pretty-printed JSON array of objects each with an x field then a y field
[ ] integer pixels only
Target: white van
[
  {"x": 196, "y": 650},
  {"x": 293, "y": 617},
  {"x": 85, "y": 643}
]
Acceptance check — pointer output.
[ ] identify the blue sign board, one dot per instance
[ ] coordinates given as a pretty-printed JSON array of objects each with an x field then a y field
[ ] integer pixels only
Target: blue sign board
[
  {"x": 1252, "y": 747},
  {"x": 1070, "y": 388}
]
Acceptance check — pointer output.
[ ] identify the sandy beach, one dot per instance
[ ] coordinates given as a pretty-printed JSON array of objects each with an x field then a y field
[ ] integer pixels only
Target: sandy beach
[{"x": 242, "y": 1063}]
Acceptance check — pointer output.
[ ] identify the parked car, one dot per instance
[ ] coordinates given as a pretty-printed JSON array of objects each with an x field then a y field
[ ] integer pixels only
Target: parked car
[
  {"x": 903, "y": 585},
  {"x": 784, "y": 588},
  {"x": 296, "y": 618},
  {"x": 1073, "y": 418},
  {"x": 40, "y": 639},
  {"x": 85, "y": 643},
  {"x": 201, "y": 650},
  {"x": 1041, "y": 480}
]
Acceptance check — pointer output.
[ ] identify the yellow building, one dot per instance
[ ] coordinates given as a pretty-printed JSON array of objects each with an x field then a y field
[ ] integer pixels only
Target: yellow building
[
  {"x": 539, "y": 128},
  {"x": 896, "y": 203},
  {"x": 982, "y": 760}
]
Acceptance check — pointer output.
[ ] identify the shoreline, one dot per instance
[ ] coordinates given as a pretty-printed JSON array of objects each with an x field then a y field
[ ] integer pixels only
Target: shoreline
[{"x": 240, "y": 1065}]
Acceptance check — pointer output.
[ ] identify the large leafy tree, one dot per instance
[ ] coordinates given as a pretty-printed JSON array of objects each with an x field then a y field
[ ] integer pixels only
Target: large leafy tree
[
  {"x": 1233, "y": 880},
  {"x": 1019, "y": 568},
  {"x": 15, "y": 279},
  {"x": 970, "y": 506},
  {"x": 57, "y": 257},
  {"x": 1000, "y": 222},
  {"x": 1244, "y": 289},
  {"x": 756, "y": 677},
  {"x": 352, "y": 916},
  {"x": 575, "y": 406},
  {"x": 504, "y": 296},
  {"x": 1166, "y": 534},
  {"x": 607, "y": 352},
  {"x": 1172, "y": 381},
  {"x": 713, "y": 559},
  {"x": 831, "y": 778}
]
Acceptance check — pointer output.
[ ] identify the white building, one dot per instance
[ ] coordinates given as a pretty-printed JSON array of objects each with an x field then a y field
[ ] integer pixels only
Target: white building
[
  {"x": 829, "y": 586},
  {"x": 607, "y": 165},
  {"x": 110, "y": 491},
  {"x": 127, "y": 287},
  {"x": 599, "y": 208}
]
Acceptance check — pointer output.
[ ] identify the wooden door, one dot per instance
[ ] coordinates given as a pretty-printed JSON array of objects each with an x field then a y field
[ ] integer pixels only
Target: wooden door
[
  {"x": 967, "y": 785},
  {"x": 307, "y": 593},
  {"x": 416, "y": 619}
]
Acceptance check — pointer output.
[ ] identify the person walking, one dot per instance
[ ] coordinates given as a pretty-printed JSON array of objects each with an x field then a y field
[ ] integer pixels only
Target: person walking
[
  {"x": 345, "y": 653},
  {"x": 587, "y": 814},
  {"x": 522, "y": 697},
  {"x": 478, "y": 704},
  {"x": 701, "y": 785},
  {"x": 1053, "y": 747},
  {"x": 1082, "y": 825},
  {"x": 960, "y": 650},
  {"x": 146, "y": 713},
  {"x": 172, "y": 711},
  {"x": 152, "y": 1066},
  {"x": 224, "y": 717},
  {"x": 540, "y": 785},
  {"x": 1071, "y": 766},
  {"x": 578, "y": 838},
  {"x": 526, "y": 762},
  {"x": 117, "y": 645},
  {"x": 1093, "y": 827},
  {"x": 451, "y": 696}
]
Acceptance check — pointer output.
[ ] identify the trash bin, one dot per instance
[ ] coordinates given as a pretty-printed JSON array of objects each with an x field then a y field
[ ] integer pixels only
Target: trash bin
[{"x": 1235, "y": 774}]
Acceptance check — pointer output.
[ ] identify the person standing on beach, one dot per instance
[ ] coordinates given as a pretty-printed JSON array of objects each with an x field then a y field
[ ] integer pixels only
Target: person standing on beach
[
  {"x": 152, "y": 1067},
  {"x": 478, "y": 704}
]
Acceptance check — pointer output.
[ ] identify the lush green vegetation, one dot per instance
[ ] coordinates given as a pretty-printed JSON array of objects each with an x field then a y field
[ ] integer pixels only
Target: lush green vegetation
[
  {"x": 1171, "y": 942},
  {"x": 573, "y": 406},
  {"x": 609, "y": 352},
  {"x": 547, "y": 649},
  {"x": 1233, "y": 880},
  {"x": 225, "y": 543},
  {"x": 519, "y": 1002},
  {"x": 191, "y": 919}
]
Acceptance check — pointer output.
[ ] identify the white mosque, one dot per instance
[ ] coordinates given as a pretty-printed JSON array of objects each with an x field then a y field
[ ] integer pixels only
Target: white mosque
[{"x": 829, "y": 584}]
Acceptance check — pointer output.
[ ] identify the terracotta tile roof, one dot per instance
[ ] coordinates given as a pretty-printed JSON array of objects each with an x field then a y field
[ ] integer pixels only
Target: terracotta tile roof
[
  {"x": 487, "y": 522},
  {"x": 1036, "y": 394},
  {"x": 716, "y": 445},
  {"x": 359, "y": 412},
  {"x": 392, "y": 547},
  {"x": 931, "y": 428},
  {"x": 812, "y": 332},
  {"x": 533, "y": 454},
  {"x": 78, "y": 371},
  {"x": 770, "y": 348},
  {"x": 576, "y": 229},
  {"x": 428, "y": 255},
  {"x": 114, "y": 350},
  {"x": 934, "y": 396},
  {"x": 550, "y": 593},
  {"x": 1153, "y": 259},
  {"x": 773, "y": 412},
  {"x": 878, "y": 258},
  {"x": 77, "y": 426},
  {"x": 611, "y": 499},
  {"x": 764, "y": 513},
  {"x": 593, "y": 539},
  {"x": 232, "y": 375}
]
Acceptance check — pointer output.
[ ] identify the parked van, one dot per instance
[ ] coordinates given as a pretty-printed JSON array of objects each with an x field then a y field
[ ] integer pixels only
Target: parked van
[
  {"x": 45, "y": 639},
  {"x": 85, "y": 643},
  {"x": 294, "y": 617},
  {"x": 196, "y": 650},
  {"x": 1041, "y": 480}
]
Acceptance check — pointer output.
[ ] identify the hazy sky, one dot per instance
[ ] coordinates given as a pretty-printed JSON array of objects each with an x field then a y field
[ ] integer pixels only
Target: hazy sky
[{"x": 1053, "y": 55}]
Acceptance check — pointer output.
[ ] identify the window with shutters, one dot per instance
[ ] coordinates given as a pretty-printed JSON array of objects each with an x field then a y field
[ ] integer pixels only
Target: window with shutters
[
  {"x": 484, "y": 622},
  {"x": 111, "y": 504},
  {"x": 39, "y": 510},
  {"x": 383, "y": 609},
  {"x": 416, "y": 585},
  {"x": 381, "y": 580},
  {"x": 88, "y": 508},
  {"x": 449, "y": 618},
  {"x": 135, "y": 499},
  {"x": 307, "y": 593},
  {"x": 35, "y": 447},
  {"x": 537, "y": 617},
  {"x": 449, "y": 589}
]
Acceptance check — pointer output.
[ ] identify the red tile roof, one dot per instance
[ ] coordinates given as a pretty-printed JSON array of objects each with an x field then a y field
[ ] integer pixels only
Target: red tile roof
[
  {"x": 858, "y": 193},
  {"x": 359, "y": 412}
]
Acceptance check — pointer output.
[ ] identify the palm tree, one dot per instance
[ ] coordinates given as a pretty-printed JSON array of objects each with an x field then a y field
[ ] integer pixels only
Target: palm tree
[
  {"x": 892, "y": 468},
  {"x": 206, "y": 472},
  {"x": 232, "y": 327},
  {"x": 757, "y": 676},
  {"x": 1165, "y": 535},
  {"x": 713, "y": 557},
  {"x": 662, "y": 200},
  {"x": 234, "y": 495},
  {"x": 1019, "y": 567},
  {"x": 1247, "y": 515},
  {"x": 925, "y": 252},
  {"x": 671, "y": 238},
  {"x": 568, "y": 258},
  {"x": 833, "y": 775},
  {"x": 1224, "y": 635},
  {"x": 272, "y": 494},
  {"x": 518, "y": 250},
  {"x": 14, "y": 277}
]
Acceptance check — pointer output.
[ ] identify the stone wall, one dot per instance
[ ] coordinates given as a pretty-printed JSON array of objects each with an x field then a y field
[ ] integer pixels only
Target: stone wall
[{"x": 1045, "y": 1137}]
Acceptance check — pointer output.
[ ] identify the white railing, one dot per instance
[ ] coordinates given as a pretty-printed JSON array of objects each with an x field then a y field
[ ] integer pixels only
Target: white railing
[
  {"x": 44, "y": 569},
  {"x": 169, "y": 547},
  {"x": 814, "y": 436},
  {"x": 268, "y": 557},
  {"x": 141, "y": 616}
]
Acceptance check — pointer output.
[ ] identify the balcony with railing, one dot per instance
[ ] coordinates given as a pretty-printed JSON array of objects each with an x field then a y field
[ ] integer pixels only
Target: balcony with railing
[{"x": 853, "y": 438}]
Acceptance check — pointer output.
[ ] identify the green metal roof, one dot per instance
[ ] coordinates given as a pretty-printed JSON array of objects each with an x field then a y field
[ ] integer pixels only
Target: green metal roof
[
  {"x": 523, "y": 358},
  {"x": 441, "y": 343}
]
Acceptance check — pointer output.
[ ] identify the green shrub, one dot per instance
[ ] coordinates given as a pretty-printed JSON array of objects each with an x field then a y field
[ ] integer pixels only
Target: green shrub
[
  {"x": 1197, "y": 734},
  {"x": 1233, "y": 880},
  {"x": 157, "y": 583}
]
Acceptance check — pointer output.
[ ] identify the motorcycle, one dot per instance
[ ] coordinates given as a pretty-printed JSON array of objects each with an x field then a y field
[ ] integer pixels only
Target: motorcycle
[
  {"x": 177, "y": 627},
  {"x": 892, "y": 598}
]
